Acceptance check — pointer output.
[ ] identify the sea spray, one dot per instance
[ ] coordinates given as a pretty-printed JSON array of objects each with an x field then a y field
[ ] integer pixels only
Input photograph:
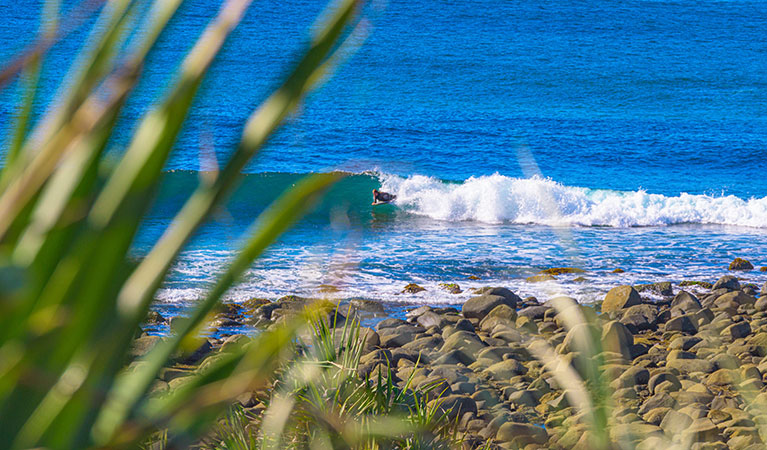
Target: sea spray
[{"x": 501, "y": 199}]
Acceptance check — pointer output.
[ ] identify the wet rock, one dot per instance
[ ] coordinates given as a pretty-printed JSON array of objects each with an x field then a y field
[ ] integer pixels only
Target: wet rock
[
  {"x": 540, "y": 278},
  {"x": 703, "y": 284},
  {"x": 728, "y": 282},
  {"x": 618, "y": 270},
  {"x": 561, "y": 270},
  {"x": 619, "y": 298},
  {"x": 412, "y": 288},
  {"x": 655, "y": 416},
  {"x": 741, "y": 264}
]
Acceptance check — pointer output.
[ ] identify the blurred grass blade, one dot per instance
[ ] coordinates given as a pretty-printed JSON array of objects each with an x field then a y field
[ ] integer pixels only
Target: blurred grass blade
[
  {"x": 137, "y": 293},
  {"x": 83, "y": 111},
  {"x": 37, "y": 49},
  {"x": 67, "y": 192},
  {"x": 31, "y": 78},
  {"x": 270, "y": 225},
  {"x": 210, "y": 393}
]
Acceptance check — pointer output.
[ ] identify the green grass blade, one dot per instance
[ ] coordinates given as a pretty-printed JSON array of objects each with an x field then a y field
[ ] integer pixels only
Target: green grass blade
[
  {"x": 273, "y": 222},
  {"x": 135, "y": 297}
]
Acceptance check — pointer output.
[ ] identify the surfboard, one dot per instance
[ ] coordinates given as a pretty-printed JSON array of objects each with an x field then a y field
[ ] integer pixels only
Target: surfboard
[{"x": 377, "y": 203}]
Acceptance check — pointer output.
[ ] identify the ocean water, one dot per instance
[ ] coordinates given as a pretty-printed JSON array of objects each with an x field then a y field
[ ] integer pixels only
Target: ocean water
[{"x": 516, "y": 135}]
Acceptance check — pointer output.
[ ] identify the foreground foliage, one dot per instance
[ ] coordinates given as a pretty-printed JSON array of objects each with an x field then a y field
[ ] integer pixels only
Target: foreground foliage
[{"x": 71, "y": 299}]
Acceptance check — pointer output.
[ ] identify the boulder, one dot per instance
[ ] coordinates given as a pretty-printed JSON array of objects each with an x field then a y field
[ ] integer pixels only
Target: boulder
[
  {"x": 479, "y": 307},
  {"x": 675, "y": 422},
  {"x": 640, "y": 318},
  {"x": 735, "y": 297},
  {"x": 398, "y": 336},
  {"x": 503, "y": 292},
  {"x": 737, "y": 330},
  {"x": 685, "y": 324},
  {"x": 431, "y": 319},
  {"x": 619, "y": 298},
  {"x": 455, "y": 405},
  {"x": 761, "y": 303},
  {"x": 686, "y": 302},
  {"x": 617, "y": 338},
  {"x": 522, "y": 434},
  {"x": 504, "y": 370},
  {"x": 661, "y": 377},
  {"x": 533, "y": 312},
  {"x": 728, "y": 282}
]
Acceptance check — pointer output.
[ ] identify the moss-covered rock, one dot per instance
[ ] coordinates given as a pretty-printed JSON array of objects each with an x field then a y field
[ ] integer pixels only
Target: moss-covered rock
[
  {"x": 741, "y": 264},
  {"x": 540, "y": 278},
  {"x": 452, "y": 288},
  {"x": 412, "y": 288},
  {"x": 561, "y": 270}
]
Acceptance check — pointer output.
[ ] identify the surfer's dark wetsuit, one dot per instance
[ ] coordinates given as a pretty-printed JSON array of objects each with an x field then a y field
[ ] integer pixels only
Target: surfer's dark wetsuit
[{"x": 379, "y": 196}]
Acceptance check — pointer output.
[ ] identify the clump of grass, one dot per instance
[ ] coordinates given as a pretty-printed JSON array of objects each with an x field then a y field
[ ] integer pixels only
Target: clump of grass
[{"x": 320, "y": 400}]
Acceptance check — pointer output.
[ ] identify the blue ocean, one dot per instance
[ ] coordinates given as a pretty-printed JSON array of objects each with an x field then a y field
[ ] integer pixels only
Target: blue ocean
[{"x": 516, "y": 136}]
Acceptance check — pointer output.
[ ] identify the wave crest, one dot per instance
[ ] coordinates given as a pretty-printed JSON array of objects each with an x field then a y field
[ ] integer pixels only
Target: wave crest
[{"x": 497, "y": 199}]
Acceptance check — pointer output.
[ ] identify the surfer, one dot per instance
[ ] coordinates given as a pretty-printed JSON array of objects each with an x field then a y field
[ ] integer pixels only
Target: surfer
[{"x": 382, "y": 197}]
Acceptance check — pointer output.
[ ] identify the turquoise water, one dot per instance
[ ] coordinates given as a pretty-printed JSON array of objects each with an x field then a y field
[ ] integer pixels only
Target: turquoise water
[{"x": 517, "y": 136}]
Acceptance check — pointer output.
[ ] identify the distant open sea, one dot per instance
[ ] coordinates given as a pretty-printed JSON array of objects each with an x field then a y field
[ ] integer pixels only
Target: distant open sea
[{"x": 516, "y": 135}]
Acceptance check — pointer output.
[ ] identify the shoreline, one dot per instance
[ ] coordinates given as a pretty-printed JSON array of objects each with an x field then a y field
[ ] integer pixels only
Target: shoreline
[{"x": 690, "y": 368}]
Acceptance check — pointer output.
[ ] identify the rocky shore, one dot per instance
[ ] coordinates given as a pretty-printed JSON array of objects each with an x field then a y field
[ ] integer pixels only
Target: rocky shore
[{"x": 687, "y": 371}]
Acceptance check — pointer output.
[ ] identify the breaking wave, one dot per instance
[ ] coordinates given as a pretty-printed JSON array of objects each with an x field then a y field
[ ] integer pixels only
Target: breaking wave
[{"x": 498, "y": 199}]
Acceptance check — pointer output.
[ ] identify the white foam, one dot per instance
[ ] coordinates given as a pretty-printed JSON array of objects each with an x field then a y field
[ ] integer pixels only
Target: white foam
[{"x": 498, "y": 199}]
